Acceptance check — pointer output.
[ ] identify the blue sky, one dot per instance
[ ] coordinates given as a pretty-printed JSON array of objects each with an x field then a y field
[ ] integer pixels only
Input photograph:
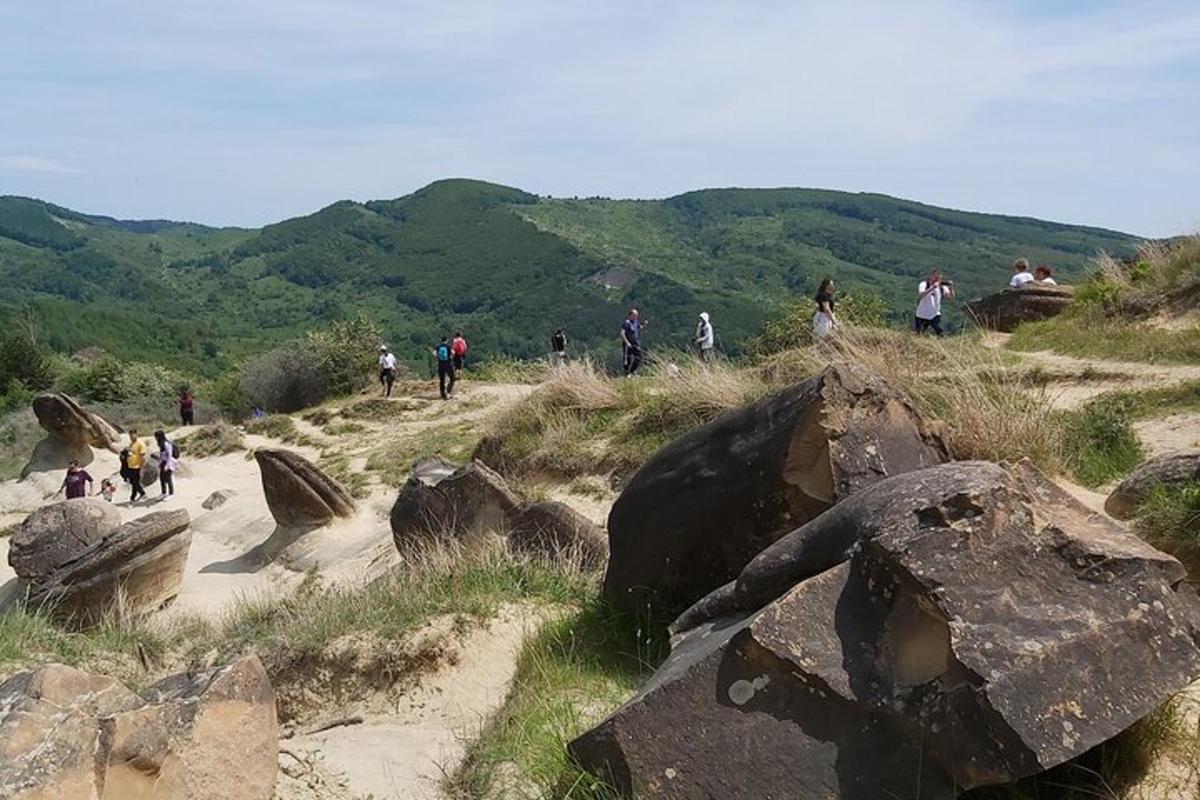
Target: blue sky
[{"x": 235, "y": 112}]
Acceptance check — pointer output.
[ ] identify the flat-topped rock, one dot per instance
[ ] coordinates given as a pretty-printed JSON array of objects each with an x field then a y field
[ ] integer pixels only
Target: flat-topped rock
[{"x": 1006, "y": 309}]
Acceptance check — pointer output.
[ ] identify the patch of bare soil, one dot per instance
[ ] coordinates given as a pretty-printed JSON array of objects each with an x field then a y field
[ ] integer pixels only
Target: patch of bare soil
[{"x": 1165, "y": 434}]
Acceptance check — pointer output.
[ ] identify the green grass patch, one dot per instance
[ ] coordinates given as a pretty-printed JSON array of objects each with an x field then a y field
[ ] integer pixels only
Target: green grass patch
[
  {"x": 1092, "y": 336},
  {"x": 454, "y": 442},
  {"x": 216, "y": 439},
  {"x": 1169, "y": 519},
  {"x": 338, "y": 467},
  {"x": 343, "y": 428},
  {"x": 382, "y": 409},
  {"x": 1099, "y": 443},
  {"x": 281, "y": 427},
  {"x": 510, "y": 370}
]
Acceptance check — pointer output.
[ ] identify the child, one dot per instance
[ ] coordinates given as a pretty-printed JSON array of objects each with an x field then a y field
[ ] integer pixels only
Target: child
[{"x": 107, "y": 490}]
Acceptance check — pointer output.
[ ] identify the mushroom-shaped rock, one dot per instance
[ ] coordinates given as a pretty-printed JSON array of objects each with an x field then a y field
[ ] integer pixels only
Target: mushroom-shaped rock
[
  {"x": 946, "y": 629},
  {"x": 139, "y": 567},
  {"x": 59, "y": 533},
  {"x": 699, "y": 509},
  {"x": 70, "y": 734},
  {"x": 556, "y": 530},
  {"x": 71, "y": 433},
  {"x": 1168, "y": 471},
  {"x": 298, "y": 493},
  {"x": 472, "y": 499},
  {"x": 1006, "y": 309}
]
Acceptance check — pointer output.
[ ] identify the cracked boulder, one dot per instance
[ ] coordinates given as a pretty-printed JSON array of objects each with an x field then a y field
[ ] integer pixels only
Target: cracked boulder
[
  {"x": 471, "y": 500},
  {"x": 71, "y": 433},
  {"x": 1172, "y": 470},
  {"x": 963, "y": 626},
  {"x": 298, "y": 493},
  {"x": 69, "y": 734},
  {"x": 1008, "y": 308},
  {"x": 56, "y": 534},
  {"x": 699, "y": 509}
]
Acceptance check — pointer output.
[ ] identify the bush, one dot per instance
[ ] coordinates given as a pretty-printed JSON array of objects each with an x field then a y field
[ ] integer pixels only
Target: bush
[
  {"x": 24, "y": 363},
  {"x": 346, "y": 354},
  {"x": 1099, "y": 442},
  {"x": 110, "y": 380},
  {"x": 285, "y": 379}
]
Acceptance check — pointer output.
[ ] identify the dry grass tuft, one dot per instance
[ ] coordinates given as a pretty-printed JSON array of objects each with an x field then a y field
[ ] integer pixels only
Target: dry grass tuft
[{"x": 216, "y": 439}]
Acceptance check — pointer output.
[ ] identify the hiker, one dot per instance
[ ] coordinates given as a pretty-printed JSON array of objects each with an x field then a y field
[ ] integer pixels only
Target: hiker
[
  {"x": 558, "y": 348},
  {"x": 704, "y": 337},
  {"x": 631, "y": 342},
  {"x": 256, "y": 412},
  {"x": 168, "y": 462},
  {"x": 1021, "y": 274},
  {"x": 107, "y": 490},
  {"x": 1042, "y": 276},
  {"x": 458, "y": 349},
  {"x": 77, "y": 483},
  {"x": 187, "y": 408},
  {"x": 823, "y": 319},
  {"x": 387, "y": 369},
  {"x": 135, "y": 459},
  {"x": 445, "y": 367},
  {"x": 929, "y": 304}
]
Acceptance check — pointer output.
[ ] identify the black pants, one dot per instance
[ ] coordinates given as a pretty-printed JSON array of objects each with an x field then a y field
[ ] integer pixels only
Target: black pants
[
  {"x": 386, "y": 378},
  {"x": 446, "y": 378},
  {"x": 458, "y": 363},
  {"x": 135, "y": 483},
  {"x": 935, "y": 324},
  {"x": 633, "y": 359},
  {"x": 187, "y": 416},
  {"x": 166, "y": 480}
]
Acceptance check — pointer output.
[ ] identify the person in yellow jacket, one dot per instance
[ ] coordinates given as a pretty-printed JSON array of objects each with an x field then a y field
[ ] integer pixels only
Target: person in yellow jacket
[{"x": 138, "y": 453}]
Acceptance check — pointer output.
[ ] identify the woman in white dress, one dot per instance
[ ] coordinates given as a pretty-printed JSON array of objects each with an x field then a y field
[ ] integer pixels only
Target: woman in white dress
[{"x": 824, "y": 321}]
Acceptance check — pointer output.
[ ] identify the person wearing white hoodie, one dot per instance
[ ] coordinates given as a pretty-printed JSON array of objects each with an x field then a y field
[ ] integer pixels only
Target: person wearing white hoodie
[{"x": 704, "y": 337}]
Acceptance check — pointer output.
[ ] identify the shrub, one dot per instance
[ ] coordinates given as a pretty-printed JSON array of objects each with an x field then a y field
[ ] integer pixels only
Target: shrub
[
  {"x": 111, "y": 380},
  {"x": 24, "y": 364},
  {"x": 1099, "y": 442},
  {"x": 346, "y": 354},
  {"x": 285, "y": 379}
]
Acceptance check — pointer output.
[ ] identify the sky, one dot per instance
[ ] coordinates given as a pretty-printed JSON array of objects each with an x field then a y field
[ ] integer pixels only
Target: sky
[{"x": 244, "y": 112}]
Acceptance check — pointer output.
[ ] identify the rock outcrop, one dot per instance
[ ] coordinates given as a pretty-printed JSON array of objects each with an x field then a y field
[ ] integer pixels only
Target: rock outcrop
[
  {"x": 1169, "y": 471},
  {"x": 71, "y": 433},
  {"x": 298, "y": 493},
  {"x": 703, "y": 506},
  {"x": 470, "y": 500},
  {"x": 1006, "y": 309},
  {"x": 139, "y": 567},
  {"x": 218, "y": 498},
  {"x": 59, "y": 533},
  {"x": 73, "y": 735},
  {"x": 951, "y": 628},
  {"x": 555, "y": 530}
]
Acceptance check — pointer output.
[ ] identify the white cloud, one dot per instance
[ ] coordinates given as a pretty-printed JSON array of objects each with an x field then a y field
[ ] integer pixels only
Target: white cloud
[{"x": 35, "y": 164}]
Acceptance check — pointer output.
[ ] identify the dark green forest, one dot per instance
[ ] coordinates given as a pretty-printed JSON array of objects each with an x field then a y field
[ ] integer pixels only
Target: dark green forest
[{"x": 505, "y": 266}]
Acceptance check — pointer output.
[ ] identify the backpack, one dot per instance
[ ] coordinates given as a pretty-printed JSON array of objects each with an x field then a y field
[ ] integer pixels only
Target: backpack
[
  {"x": 174, "y": 450},
  {"x": 443, "y": 352}
]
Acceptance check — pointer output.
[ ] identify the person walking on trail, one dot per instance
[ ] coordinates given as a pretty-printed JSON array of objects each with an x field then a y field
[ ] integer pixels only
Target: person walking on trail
[
  {"x": 704, "y": 338},
  {"x": 78, "y": 482},
  {"x": 168, "y": 462},
  {"x": 558, "y": 348},
  {"x": 631, "y": 342},
  {"x": 387, "y": 369},
  {"x": 823, "y": 320},
  {"x": 929, "y": 302},
  {"x": 458, "y": 349},
  {"x": 187, "y": 408},
  {"x": 134, "y": 461},
  {"x": 445, "y": 367},
  {"x": 1021, "y": 274}
]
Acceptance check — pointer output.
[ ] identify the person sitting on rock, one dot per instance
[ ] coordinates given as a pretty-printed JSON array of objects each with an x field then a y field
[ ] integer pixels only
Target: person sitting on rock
[
  {"x": 167, "y": 464},
  {"x": 1042, "y": 276},
  {"x": 1021, "y": 274},
  {"x": 78, "y": 482}
]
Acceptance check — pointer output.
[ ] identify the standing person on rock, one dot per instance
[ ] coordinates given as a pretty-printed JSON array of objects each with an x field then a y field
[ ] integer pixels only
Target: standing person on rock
[
  {"x": 929, "y": 302},
  {"x": 445, "y": 367},
  {"x": 631, "y": 342},
  {"x": 704, "y": 338},
  {"x": 134, "y": 461},
  {"x": 458, "y": 349},
  {"x": 558, "y": 348},
  {"x": 387, "y": 369},
  {"x": 77, "y": 483},
  {"x": 823, "y": 320},
  {"x": 168, "y": 462},
  {"x": 187, "y": 408}
]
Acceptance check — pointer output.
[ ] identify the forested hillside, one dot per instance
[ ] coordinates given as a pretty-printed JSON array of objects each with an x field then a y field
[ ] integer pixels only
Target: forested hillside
[{"x": 506, "y": 266}]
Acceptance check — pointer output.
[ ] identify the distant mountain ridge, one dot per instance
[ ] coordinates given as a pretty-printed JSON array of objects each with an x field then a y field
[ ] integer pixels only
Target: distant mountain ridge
[{"x": 504, "y": 265}]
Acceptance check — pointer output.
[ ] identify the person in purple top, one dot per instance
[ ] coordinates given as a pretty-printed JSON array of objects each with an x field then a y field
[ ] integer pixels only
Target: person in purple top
[{"x": 77, "y": 483}]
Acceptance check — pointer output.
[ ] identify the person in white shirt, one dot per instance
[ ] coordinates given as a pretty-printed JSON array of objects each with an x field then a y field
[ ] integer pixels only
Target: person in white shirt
[
  {"x": 387, "y": 370},
  {"x": 704, "y": 337},
  {"x": 929, "y": 302},
  {"x": 1042, "y": 276},
  {"x": 1021, "y": 274}
]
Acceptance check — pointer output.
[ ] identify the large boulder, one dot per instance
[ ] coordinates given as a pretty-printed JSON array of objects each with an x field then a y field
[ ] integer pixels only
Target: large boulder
[
  {"x": 1169, "y": 471},
  {"x": 962, "y": 626},
  {"x": 65, "y": 733},
  {"x": 1006, "y": 309},
  {"x": 556, "y": 530},
  {"x": 59, "y": 533},
  {"x": 298, "y": 493},
  {"x": 470, "y": 500},
  {"x": 136, "y": 568},
  {"x": 704, "y": 505},
  {"x": 71, "y": 433}
]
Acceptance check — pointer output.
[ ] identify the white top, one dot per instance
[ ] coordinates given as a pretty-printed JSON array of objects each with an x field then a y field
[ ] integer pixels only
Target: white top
[
  {"x": 704, "y": 335},
  {"x": 1048, "y": 281},
  {"x": 930, "y": 305},
  {"x": 1020, "y": 279},
  {"x": 387, "y": 361}
]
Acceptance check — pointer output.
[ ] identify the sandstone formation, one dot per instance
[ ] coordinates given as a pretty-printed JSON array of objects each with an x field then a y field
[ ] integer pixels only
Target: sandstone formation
[
  {"x": 298, "y": 493},
  {"x": 1008, "y": 308},
  {"x": 59, "y": 533},
  {"x": 72, "y": 735},
  {"x": 1169, "y": 471},
  {"x": 947, "y": 629},
  {"x": 218, "y": 498},
  {"x": 71, "y": 433},
  {"x": 139, "y": 567},
  {"x": 472, "y": 499},
  {"x": 703, "y": 506},
  {"x": 556, "y": 530}
]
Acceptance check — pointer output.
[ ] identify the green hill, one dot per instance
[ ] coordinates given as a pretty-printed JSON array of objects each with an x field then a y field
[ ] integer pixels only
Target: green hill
[{"x": 506, "y": 266}]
